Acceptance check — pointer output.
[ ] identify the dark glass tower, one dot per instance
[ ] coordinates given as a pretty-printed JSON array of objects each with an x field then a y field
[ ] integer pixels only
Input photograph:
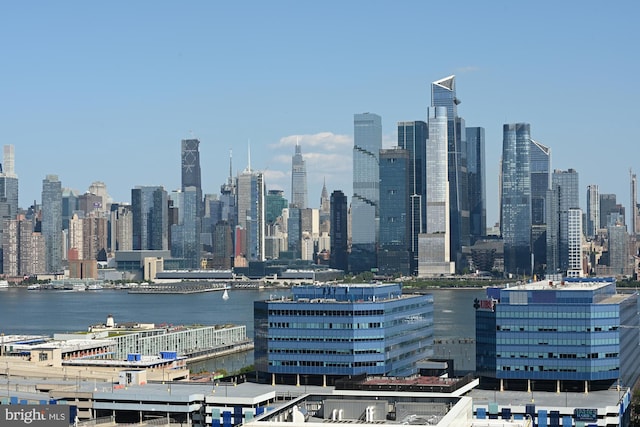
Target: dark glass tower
[
  {"x": 338, "y": 233},
  {"x": 412, "y": 136},
  {"x": 150, "y": 209},
  {"x": 515, "y": 222},
  {"x": 52, "y": 222},
  {"x": 477, "y": 183},
  {"x": 443, "y": 94},
  {"x": 191, "y": 175},
  {"x": 395, "y": 237},
  {"x": 564, "y": 195}
]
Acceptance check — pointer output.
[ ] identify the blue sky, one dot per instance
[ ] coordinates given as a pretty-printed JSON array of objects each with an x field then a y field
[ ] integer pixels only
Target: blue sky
[{"x": 105, "y": 91}]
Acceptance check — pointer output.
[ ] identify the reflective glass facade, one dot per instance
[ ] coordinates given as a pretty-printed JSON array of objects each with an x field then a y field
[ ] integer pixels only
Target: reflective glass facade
[
  {"x": 515, "y": 211},
  {"x": 251, "y": 213},
  {"x": 477, "y": 183},
  {"x": 339, "y": 330},
  {"x": 190, "y": 168},
  {"x": 565, "y": 196},
  {"x": 395, "y": 237},
  {"x": 338, "y": 231},
  {"x": 298, "y": 180},
  {"x": 593, "y": 210},
  {"x": 577, "y": 330},
  {"x": 150, "y": 218},
  {"x": 52, "y": 222}
]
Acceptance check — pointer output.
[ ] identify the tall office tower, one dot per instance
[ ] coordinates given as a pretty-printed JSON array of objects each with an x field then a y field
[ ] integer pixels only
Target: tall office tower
[
  {"x": 121, "y": 228},
  {"x": 325, "y": 210},
  {"x": 434, "y": 254},
  {"x": 298, "y": 180},
  {"x": 70, "y": 205},
  {"x": 477, "y": 183},
  {"x": 191, "y": 175},
  {"x": 185, "y": 234},
  {"x": 338, "y": 234},
  {"x": 8, "y": 191},
  {"x": 150, "y": 208},
  {"x": 52, "y": 222},
  {"x": 634, "y": 203},
  {"x": 395, "y": 226},
  {"x": 608, "y": 206},
  {"x": 89, "y": 203},
  {"x": 367, "y": 142},
  {"x": 294, "y": 233},
  {"x": 515, "y": 209},
  {"x": 443, "y": 94},
  {"x": 412, "y": 136},
  {"x": 99, "y": 188},
  {"x": 75, "y": 237},
  {"x": 564, "y": 195},
  {"x": 251, "y": 196},
  {"x": 275, "y": 203},
  {"x": 574, "y": 238},
  {"x": 540, "y": 159},
  {"x": 228, "y": 197},
  {"x": 593, "y": 210}
]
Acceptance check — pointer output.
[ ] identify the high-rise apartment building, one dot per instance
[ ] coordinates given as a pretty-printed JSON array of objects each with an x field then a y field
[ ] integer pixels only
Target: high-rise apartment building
[
  {"x": 574, "y": 238},
  {"x": 367, "y": 142},
  {"x": 564, "y": 195},
  {"x": 476, "y": 178},
  {"x": 540, "y": 160},
  {"x": 121, "y": 228},
  {"x": 412, "y": 136},
  {"x": 275, "y": 203},
  {"x": 515, "y": 222},
  {"x": 298, "y": 180},
  {"x": 23, "y": 249},
  {"x": 338, "y": 234},
  {"x": 251, "y": 195},
  {"x": 191, "y": 174},
  {"x": 593, "y": 210},
  {"x": 395, "y": 227},
  {"x": 443, "y": 94},
  {"x": 8, "y": 192},
  {"x": 618, "y": 246},
  {"x": 52, "y": 222},
  {"x": 150, "y": 208},
  {"x": 434, "y": 254}
]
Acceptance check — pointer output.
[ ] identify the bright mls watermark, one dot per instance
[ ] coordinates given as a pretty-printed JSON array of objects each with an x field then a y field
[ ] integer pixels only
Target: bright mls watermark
[{"x": 34, "y": 415}]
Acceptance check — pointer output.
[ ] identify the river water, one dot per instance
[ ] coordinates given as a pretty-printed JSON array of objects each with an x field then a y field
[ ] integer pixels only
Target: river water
[{"x": 48, "y": 312}]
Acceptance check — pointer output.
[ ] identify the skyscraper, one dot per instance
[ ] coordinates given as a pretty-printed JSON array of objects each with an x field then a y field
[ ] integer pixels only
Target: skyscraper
[
  {"x": 185, "y": 243},
  {"x": 395, "y": 237},
  {"x": 574, "y": 243},
  {"x": 515, "y": 222},
  {"x": 52, "y": 222},
  {"x": 412, "y": 136},
  {"x": 367, "y": 142},
  {"x": 477, "y": 183},
  {"x": 150, "y": 209},
  {"x": 564, "y": 195},
  {"x": 540, "y": 159},
  {"x": 434, "y": 255},
  {"x": 251, "y": 195},
  {"x": 593, "y": 210},
  {"x": 339, "y": 239},
  {"x": 633, "y": 184},
  {"x": 191, "y": 174},
  {"x": 443, "y": 94},
  {"x": 298, "y": 180},
  {"x": 8, "y": 191}
]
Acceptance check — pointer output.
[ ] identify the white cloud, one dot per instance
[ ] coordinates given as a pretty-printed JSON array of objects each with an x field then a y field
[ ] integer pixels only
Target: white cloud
[
  {"x": 467, "y": 69},
  {"x": 327, "y": 140}
]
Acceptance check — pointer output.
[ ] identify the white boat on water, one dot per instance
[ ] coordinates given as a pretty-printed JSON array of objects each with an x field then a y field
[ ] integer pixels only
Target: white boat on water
[
  {"x": 225, "y": 295},
  {"x": 4, "y": 284},
  {"x": 34, "y": 287},
  {"x": 94, "y": 287}
]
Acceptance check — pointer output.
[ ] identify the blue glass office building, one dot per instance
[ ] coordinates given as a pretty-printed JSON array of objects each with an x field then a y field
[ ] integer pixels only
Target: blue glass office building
[
  {"x": 328, "y": 331},
  {"x": 578, "y": 334}
]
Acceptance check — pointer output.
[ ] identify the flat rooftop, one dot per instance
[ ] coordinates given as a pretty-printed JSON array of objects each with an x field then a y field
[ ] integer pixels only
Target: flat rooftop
[{"x": 564, "y": 285}]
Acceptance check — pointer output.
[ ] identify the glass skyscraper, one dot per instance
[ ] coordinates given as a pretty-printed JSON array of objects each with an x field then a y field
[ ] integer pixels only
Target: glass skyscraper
[
  {"x": 367, "y": 142},
  {"x": 298, "y": 180},
  {"x": 185, "y": 243},
  {"x": 443, "y": 94},
  {"x": 477, "y": 183},
  {"x": 564, "y": 195},
  {"x": 251, "y": 195},
  {"x": 593, "y": 210},
  {"x": 149, "y": 206},
  {"x": 338, "y": 231},
  {"x": 52, "y": 222},
  {"x": 8, "y": 191},
  {"x": 412, "y": 136},
  {"x": 515, "y": 222},
  {"x": 191, "y": 174},
  {"x": 395, "y": 237},
  {"x": 434, "y": 255}
]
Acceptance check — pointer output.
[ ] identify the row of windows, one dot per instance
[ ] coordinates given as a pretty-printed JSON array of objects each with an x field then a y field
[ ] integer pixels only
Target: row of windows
[
  {"x": 558, "y": 328},
  {"x": 557, "y": 355},
  {"x": 328, "y": 339},
  {"x": 592, "y": 369},
  {"x": 565, "y": 342},
  {"x": 348, "y": 313},
  {"x": 552, "y": 314},
  {"x": 323, "y": 364},
  {"x": 328, "y": 351},
  {"x": 316, "y": 325}
]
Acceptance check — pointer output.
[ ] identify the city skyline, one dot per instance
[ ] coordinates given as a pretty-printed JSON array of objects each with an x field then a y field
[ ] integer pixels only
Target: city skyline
[{"x": 86, "y": 103}]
